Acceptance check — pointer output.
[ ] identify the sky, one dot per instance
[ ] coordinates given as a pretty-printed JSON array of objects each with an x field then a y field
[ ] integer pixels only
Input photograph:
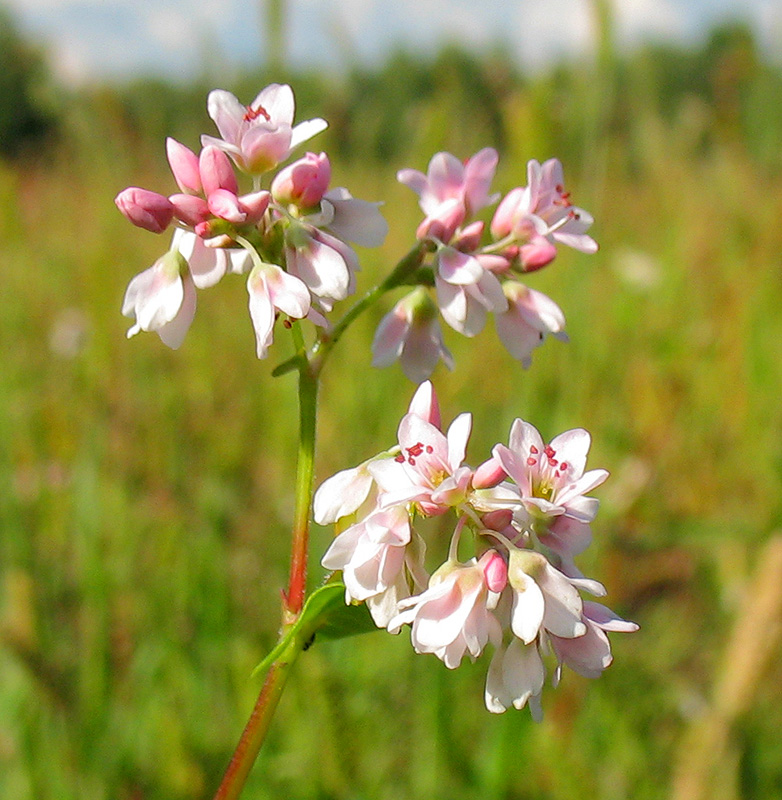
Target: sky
[{"x": 97, "y": 39}]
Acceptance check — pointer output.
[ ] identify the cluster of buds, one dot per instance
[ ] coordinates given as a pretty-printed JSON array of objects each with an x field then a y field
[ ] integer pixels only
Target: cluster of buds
[
  {"x": 291, "y": 238},
  {"x": 472, "y": 278},
  {"x": 527, "y": 515}
]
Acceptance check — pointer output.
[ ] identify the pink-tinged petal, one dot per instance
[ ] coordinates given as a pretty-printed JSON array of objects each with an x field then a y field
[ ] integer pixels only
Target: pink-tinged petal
[
  {"x": 264, "y": 147},
  {"x": 321, "y": 268},
  {"x": 524, "y": 437},
  {"x": 216, "y": 171},
  {"x": 528, "y": 606},
  {"x": 288, "y": 293},
  {"x": 489, "y": 474},
  {"x": 445, "y": 179},
  {"x": 341, "y": 494},
  {"x": 562, "y": 614},
  {"x": 567, "y": 536},
  {"x": 513, "y": 205},
  {"x": 190, "y": 209},
  {"x": 581, "y": 508},
  {"x": 514, "y": 466},
  {"x": 516, "y": 675},
  {"x": 580, "y": 242},
  {"x": 573, "y": 447},
  {"x": 606, "y": 619},
  {"x": 458, "y": 268},
  {"x": 356, "y": 220},
  {"x": 306, "y": 130},
  {"x": 389, "y": 339},
  {"x": 536, "y": 254},
  {"x": 225, "y": 205},
  {"x": 172, "y": 334},
  {"x": 184, "y": 165},
  {"x": 478, "y": 175},
  {"x": 595, "y": 588},
  {"x": 207, "y": 264},
  {"x": 588, "y": 655},
  {"x": 517, "y": 336},
  {"x": 154, "y": 296},
  {"x": 277, "y": 100},
  {"x": 425, "y": 404},
  {"x": 414, "y": 431},
  {"x": 262, "y": 312},
  {"x": 254, "y": 205},
  {"x": 422, "y": 349},
  {"x": 412, "y": 178},
  {"x": 226, "y": 112},
  {"x": 231, "y": 149},
  {"x": 458, "y": 436}
]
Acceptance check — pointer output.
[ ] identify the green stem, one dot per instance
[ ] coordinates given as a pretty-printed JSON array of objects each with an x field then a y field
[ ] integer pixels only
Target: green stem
[
  {"x": 257, "y": 726},
  {"x": 309, "y": 371},
  {"x": 308, "y": 407}
]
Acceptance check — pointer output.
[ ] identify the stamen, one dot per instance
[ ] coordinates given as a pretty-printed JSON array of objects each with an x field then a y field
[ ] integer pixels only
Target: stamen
[
  {"x": 550, "y": 451},
  {"x": 254, "y": 113},
  {"x": 429, "y": 449},
  {"x": 416, "y": 449},
  {"x": 531, "y": 461}
]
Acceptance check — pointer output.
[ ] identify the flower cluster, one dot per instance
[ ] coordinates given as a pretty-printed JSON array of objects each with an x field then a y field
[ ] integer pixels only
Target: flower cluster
[
  {"x": 292, "y": 238},
  {"x": 528, "y": 515},
  {"x": 472, "y": 278}
]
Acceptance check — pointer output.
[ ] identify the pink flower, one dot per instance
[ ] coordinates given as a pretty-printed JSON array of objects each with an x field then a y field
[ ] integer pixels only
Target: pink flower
[
  {"x": 304, "y": 182},
  {"x": 325, "y": 264},
  {"x": 345, "y": 492},
  {"x": 145, "y": 209},
  {"x": 428, "y": 470},
  {"x": 451, "y": 183},
  {"x": 551, "y": 484},
  {"x": 411, "y": 333},
  {"x": 516, "y": 676},
  {"x": 162, "y": 298},
  {"x": 352, "y": 219},
  {"x": 261, "y": 135},
  {"x": 271, "y": 290},
  {"x": 529, "y": 317},
  {"x": 543, "y": 209},
  {"x": 453, "y": 616},
  {"x": 466, "y": 291},
  {"x": 590, "y": 654}
]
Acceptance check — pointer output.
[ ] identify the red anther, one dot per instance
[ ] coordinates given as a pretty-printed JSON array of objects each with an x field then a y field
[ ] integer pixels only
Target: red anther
[
  {"x": 552, "y": 462},
  {"x": 550, "y": 451},
  {"x": 560, "y": 188},
  {"x": 416, "y": 449},
  {"x": 411, "y": 462},
  {"x": 532, "y": 461},
  {"x": 563, "y": 466},
  {"x": 400, "y": 459},
  {"x": 429, "y": 449},
  {"x": 534, "y": 450},
  {"x": 254, "y": 113}
]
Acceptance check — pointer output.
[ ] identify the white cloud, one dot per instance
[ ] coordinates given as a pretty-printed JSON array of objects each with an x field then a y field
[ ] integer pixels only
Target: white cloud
[{"x": 638, "y": 20}]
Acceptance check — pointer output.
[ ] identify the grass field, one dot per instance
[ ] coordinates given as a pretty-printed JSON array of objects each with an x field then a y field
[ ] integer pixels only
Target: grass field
[{"x": 145, "y": 495}]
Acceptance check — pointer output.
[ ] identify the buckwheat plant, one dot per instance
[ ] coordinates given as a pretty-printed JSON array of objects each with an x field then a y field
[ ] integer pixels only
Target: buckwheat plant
[{"x": 519, "y": 519}]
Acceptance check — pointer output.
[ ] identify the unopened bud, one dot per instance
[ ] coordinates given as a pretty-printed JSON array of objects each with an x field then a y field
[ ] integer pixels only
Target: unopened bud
[{"x": 148, "y": 210}]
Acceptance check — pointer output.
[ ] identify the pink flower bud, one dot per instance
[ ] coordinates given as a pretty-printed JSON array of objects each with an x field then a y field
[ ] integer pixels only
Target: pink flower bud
[
  {"x": 184, "y": 165},
  {"x": 254, "y": 205},
  {"x": 225, "y": 204},
  {"x": 490, "y": 473},
  {"x": 497, "y": 520},
  {"x": 304, "y": 182},
  {"x": 148, "y": 210},
  {"x": 189, "y": 209},
  {"x": 216, "y": 171},
  {"x": 537, "y": 254},
  {"x": 495, "y": 570}
]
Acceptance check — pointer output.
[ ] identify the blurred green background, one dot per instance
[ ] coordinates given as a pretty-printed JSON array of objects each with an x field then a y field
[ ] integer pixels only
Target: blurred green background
[{"x": 145, "y": 495}]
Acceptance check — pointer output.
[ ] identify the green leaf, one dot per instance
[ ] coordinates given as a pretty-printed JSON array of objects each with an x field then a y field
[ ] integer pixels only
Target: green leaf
[{"x": 325, "y": 613}]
